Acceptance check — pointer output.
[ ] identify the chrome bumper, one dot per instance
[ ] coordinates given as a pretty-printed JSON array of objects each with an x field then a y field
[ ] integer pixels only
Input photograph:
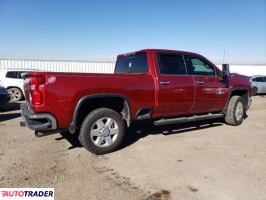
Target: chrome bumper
[{"x": 37, "y": 121}]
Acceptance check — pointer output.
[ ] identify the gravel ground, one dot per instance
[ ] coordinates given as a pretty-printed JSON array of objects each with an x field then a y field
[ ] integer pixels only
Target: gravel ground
[{"x": 203, "y": 160}]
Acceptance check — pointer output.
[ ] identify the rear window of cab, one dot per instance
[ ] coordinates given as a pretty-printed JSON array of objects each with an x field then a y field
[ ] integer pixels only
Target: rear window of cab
[{"x": 136, "y": 63}]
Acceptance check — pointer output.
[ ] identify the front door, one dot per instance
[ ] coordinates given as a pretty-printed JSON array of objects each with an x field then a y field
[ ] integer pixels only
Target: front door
[{"x": 211, "y": 92}]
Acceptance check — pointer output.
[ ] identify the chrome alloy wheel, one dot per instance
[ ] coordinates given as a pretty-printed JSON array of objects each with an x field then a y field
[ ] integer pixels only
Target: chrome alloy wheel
[
  {"x": 239, "y": 111},
  {"x": 104, "y": 132}
]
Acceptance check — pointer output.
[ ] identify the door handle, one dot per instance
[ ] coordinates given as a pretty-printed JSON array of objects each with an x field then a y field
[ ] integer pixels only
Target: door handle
[
  {"x": 200, "y": 82},
  {"x": 165, "y": 82}
]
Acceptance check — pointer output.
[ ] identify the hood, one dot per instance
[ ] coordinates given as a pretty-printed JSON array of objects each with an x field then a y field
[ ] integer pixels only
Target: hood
[
  {"x": 240, "y": 81},
  {"x": 236, "y": 75}
]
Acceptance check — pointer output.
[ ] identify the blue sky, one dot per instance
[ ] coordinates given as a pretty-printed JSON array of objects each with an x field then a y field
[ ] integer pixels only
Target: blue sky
[{"x": 101, "y": 29}]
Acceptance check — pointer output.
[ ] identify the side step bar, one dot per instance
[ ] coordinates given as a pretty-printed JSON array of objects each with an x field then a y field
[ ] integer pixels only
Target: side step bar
[
  {"x": 161, "y": 122},
  {"x": 45, "y": 133}
]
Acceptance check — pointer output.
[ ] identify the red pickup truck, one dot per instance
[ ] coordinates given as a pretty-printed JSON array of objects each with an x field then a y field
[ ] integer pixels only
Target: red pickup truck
[{"x": 165, "y": 86}]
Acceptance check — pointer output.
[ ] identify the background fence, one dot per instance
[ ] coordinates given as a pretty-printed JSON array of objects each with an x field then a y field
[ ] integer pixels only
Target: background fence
[
  {"x": 248, "y": 70},
  {"x": 59, "y": 65},
  {"x": 101, "y": 67}
]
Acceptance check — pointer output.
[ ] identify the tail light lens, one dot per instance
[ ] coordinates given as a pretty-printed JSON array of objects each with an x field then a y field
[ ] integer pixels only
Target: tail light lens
[{"x": 36, "y": 95}]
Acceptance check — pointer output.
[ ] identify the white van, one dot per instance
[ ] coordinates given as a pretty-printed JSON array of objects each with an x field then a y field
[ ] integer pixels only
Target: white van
[
  {"x": 12, "y": 80},
  {"x": 259, "y": 83}
]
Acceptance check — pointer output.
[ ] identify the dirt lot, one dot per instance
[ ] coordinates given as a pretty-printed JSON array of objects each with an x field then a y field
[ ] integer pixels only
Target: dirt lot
[{"x": 204, "y": 160}]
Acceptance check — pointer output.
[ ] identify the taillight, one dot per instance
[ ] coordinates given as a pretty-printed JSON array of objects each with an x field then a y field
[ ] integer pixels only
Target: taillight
[{"x": 36, "y": 95}]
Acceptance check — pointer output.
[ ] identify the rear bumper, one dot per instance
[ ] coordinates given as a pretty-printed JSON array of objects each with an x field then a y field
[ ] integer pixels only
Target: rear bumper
[{"x": 37, "y": 121}]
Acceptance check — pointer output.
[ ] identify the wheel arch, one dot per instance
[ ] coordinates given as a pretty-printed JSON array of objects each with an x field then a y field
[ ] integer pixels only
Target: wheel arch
[
  {"x": 243, "y": 92},
  {"x": 117, "y": 102},
  {"x": 8, "y": 87}
]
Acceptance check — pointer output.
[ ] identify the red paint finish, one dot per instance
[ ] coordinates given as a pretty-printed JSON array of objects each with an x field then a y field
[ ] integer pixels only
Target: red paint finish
[
  {"x": 177, "y": 98},
  {"x": 211, "y": 94},
  {"x": 62, "y": 96},
  {"x": 183, "y": 96}
]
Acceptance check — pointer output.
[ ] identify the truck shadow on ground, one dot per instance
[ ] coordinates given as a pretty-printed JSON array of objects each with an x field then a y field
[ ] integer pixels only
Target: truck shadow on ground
[
  {"x": 8, "y": 116},
  {"x": 71, "y": 138},
  {"x": 12, "y": 106},
  {"x": 142, "y": 129}
]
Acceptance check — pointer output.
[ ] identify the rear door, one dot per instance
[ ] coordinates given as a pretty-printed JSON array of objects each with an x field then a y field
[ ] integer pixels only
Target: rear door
[
  {"x": 211, "y": 92},
  {"x": 176, "y": 88}
]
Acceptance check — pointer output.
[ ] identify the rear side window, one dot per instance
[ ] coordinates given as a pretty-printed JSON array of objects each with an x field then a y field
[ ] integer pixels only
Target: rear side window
[
  {"x": 11, "y": 74},
  {"x": 171, "y": 64},
  {"x": 132, "y": 64},
  {"x": 121, "y": 65},
  {"x": 199, "y": 67}
]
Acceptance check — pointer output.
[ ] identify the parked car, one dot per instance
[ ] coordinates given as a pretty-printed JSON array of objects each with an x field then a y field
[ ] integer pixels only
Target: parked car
[
  {"x": 165, "y": 86},
  {"x": 259, "y": 83},
  {"x": 4, "y": 96},
  {"x": 12, "y": 80}
]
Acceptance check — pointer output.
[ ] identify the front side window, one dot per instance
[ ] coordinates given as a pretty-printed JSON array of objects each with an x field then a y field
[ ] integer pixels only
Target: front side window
[
  {"x": 171, "y": 64},
  {"x": 132, "y": 64},
  {"x": 258, "y": 79},
  {"x": 19, "y": 75},
  {"x": 199, "y": 67},
  {"x": 11, "y": 74}
]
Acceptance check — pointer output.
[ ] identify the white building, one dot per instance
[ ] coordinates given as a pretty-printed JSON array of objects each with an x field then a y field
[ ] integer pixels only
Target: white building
[
  {"x": 59, "y": 65},
  {"x": 101, "y": 67},
  {"x": 248, "y": 70}
]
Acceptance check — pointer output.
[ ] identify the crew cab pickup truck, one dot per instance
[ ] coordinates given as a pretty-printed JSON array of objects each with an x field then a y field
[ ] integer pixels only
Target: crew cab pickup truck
[{"x": 164, "y": 86}]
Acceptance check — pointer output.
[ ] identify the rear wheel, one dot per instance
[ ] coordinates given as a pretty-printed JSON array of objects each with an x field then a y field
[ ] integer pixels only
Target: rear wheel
[
  {"x": 235, "y": 111},
  {"x": 15, "y": 93},
  {"x": 102, "y": 131}
]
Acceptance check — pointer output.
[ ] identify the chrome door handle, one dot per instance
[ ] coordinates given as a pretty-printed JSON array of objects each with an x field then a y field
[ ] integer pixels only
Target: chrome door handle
[
  {"x": 200, "y": 82},
  {"x": 165, "y": 82}
]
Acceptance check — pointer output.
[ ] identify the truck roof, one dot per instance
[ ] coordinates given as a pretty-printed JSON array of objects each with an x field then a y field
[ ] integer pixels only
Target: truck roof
[{"x": 156, "y": 50}]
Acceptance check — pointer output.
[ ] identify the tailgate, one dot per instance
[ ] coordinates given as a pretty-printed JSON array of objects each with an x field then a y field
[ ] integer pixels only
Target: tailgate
[
  {"x": 27, "y": 89},
  {"x": 33, "y": 87}
]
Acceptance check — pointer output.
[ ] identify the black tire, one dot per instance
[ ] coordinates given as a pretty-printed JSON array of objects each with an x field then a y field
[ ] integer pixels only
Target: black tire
[
  {"x": 232, "y": 116},
  {"x": 255, "y": 92},
  {"x": 86, "y": 137},
  {"x": 15, "y": 93}
]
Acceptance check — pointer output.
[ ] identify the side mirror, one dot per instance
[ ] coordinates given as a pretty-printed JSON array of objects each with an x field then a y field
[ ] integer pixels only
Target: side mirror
[{"x": 226, "y": 71}]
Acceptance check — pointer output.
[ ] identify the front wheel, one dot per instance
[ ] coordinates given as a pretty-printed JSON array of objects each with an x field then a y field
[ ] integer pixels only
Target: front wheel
[
  {"x": 255, "y": 91},
  {"x": 102, "y": 131},
  {"x": 235, "y": 111}
]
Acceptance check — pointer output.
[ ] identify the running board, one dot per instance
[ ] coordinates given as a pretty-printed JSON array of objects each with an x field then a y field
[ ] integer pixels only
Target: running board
[{"x": 186, "y": 119}]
